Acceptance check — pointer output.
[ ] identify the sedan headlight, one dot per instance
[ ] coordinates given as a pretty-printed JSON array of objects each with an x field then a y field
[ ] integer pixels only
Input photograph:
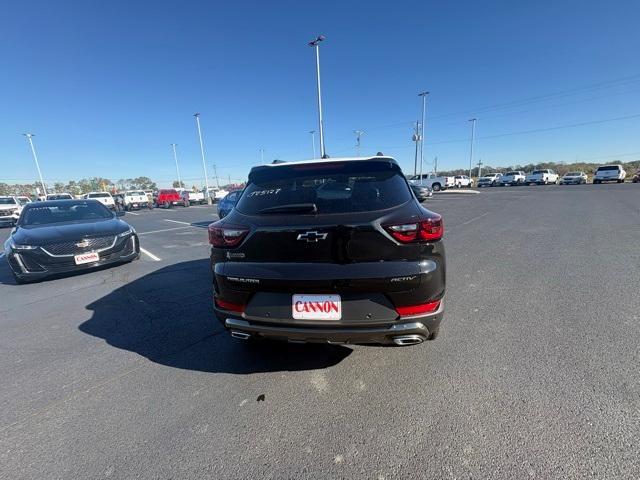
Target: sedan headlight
[
  {"x": 18, "y": 247},
  {"x": 126, "y": 233}
]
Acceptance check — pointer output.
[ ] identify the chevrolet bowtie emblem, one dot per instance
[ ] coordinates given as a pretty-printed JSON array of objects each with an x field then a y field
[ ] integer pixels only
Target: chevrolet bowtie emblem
[
  {"x": 82, "y": 244},
  {"x": 312, "y": 236}
]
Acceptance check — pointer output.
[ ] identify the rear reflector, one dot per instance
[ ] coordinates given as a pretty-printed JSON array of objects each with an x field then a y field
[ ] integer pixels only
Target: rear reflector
[
  {"x": 233, "y": 307},
  {"x": 418, "y": 309}
]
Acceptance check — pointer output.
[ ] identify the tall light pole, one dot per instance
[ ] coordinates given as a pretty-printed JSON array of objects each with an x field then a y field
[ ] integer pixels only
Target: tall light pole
[
  {"x": 35, "y": 158},
  {"x": 316, "y": 44},
  {"x": 416, "y": 138},
  {"x": 204, "y": 163},
  {"x": 262, "y": 156},
  {"x": 473, "y": 136},
  {"x": 313, "y": 142},
  {"x": 175, "y": 158},
  {"x": 359, "y": 134},
  {"x": 424, "y": 107}
]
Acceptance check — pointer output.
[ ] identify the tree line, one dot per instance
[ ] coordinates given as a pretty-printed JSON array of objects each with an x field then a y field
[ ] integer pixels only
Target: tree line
[{"x": 79, "y": 187}]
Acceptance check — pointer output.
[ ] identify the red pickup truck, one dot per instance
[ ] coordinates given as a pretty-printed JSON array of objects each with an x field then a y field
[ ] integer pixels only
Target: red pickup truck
[{"x": 168, "y": 197}]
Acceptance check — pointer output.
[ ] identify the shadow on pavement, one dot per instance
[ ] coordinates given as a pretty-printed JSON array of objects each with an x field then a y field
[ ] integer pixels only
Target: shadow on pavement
[{"x": 166, "y": 316}]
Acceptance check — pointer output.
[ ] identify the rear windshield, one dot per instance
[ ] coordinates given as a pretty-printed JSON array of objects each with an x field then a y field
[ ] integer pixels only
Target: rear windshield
[
  {"x": 339, "y": 187},
  {"x": 7, "y": 201},
  {"x": 98, "y": 195},
  {"x": 573, "y": 174},
  {"x": 67, "y": 212},
  {"x": 59, "y": 196},
  {"x": 538, "y": 172},
  {"x": 135, "y": 193},
  {"x": 512, "y": 173},
  {"x": 608, "y": 168}
]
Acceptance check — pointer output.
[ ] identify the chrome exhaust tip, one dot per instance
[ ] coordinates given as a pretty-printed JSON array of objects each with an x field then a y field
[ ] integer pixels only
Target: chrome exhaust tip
[
  {"x": 240, "y": 335},
  {"x": 406, "y": 340}
]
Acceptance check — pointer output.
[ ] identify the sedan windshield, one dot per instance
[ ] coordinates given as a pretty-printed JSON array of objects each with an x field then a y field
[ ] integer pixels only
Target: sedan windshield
[
  {"x": 65, "y": 212},
  {"x": 7, "y": 201}
]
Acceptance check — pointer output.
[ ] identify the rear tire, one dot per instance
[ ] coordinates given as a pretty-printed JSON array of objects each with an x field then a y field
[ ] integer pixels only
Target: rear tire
[
  {"x": 620, "y": 181},
  {"x": 436, "y": 187}
]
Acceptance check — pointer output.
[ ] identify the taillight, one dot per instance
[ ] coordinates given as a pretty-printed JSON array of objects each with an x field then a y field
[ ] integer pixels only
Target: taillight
[
  {"x": 226, "y": 236},
  {"x": 427, "y": 230},
  {"x": 418, "y": 309},
  {"x": 233, "y": 307}
]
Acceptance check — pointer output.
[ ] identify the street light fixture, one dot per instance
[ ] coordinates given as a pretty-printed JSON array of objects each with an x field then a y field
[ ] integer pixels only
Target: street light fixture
[
  {"x": 204, "y": 163},
  {"x": 316, "y": 44},
  {"x": 35, "y": 158}
]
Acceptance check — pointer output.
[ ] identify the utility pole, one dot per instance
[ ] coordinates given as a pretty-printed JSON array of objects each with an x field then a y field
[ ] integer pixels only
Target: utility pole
[
  {"x": 175, "y": 157},
  {"x": 35, "y": 158},
  {"x": 416, "y": 138},
  {"x": 435, "y": 165},
  {"x": 204, "y": 163},
  {"x": 262, "y": 156},
  {"x": 313, "y": 142},
  {"x": 480, "y": 164},
  {"x": 473, "y": 136},
  {"x": 359, "y": 134},
  {"x": 424, "y": 107},
  {"x": 229, "y": 180},
  {"x": 316, "y": 44},
  {"x": 215, "y": 172}
]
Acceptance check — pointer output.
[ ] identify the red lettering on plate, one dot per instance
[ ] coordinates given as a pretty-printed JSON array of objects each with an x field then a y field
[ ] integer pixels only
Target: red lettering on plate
[
  {"x": 333, "y": 306},
  {"x": 297, "y": 306}
]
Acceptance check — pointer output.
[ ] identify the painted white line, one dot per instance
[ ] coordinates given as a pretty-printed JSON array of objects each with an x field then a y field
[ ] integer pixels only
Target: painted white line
[
  {"x": 177, "y": 221},
  {"x": 149, "y": 254},
  {"x": 163, "y": 230},
  {"x": 133, "y": 213},
  {"x": 472, "y": 220}
]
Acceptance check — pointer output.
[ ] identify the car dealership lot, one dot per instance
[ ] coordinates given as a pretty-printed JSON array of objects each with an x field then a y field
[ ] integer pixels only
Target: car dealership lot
[{"x": 124, "y": 372}]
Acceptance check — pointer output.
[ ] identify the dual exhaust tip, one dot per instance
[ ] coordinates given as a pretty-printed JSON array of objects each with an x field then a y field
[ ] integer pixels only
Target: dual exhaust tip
[
  {"x": 400, "y": 340},
  {"x": 406, "y": 340}
]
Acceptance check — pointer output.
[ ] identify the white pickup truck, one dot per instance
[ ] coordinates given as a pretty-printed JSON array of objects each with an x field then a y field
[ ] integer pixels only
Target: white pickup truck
[
  {"x": 542, "y": 177},
  {"x": 191, "y": 196},
  {"x": 434, "y": 181},
  {"x": 463, "y": 181},
  {"x": 216, "y": 194},
  {"x": 10, "y": 209},
  {"x": 515, "y": 177},
  {"x": 135, "y": 199},
  {"x": 103, "y": 197}
]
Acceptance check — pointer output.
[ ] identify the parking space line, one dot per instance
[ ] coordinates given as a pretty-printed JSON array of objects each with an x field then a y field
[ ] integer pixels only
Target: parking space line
[
  {"x": 133, "y": 213},
  {"x": 163, "y": 230},
  {"x": 150, "y": 255},
  {"x": 472, "y": 220},
  {"x": 177, "y": 221}
]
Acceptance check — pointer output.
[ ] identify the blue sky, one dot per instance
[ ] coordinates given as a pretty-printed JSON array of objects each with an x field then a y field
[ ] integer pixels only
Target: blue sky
[{"x": 107, "y": 86}]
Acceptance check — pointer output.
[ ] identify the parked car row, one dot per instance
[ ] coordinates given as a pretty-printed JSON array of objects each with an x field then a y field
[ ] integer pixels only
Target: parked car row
[{"x": 605, "y": 173}]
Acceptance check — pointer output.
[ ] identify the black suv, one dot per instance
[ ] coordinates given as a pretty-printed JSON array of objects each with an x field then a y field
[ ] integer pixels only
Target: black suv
[{"x": 334, "y": 250}]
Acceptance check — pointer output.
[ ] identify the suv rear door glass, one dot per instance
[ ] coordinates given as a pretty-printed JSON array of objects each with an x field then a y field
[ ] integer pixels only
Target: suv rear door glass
[{"x": 332, "y": 187}]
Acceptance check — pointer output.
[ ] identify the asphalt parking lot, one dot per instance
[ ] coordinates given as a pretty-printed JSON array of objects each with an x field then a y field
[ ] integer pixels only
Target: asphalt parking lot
[{"x": 124, "y": 373}]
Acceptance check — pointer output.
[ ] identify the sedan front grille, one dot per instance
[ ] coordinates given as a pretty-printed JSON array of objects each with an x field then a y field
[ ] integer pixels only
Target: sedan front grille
[{"x": 80, "y": 246}]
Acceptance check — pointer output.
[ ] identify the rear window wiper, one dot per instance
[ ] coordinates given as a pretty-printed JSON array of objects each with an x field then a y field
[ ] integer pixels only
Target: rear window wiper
[{"x": 291, "y": 208}]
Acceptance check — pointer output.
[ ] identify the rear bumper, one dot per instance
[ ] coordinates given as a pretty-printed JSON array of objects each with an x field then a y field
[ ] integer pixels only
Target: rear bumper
[{"x": 422, "y": 326}]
